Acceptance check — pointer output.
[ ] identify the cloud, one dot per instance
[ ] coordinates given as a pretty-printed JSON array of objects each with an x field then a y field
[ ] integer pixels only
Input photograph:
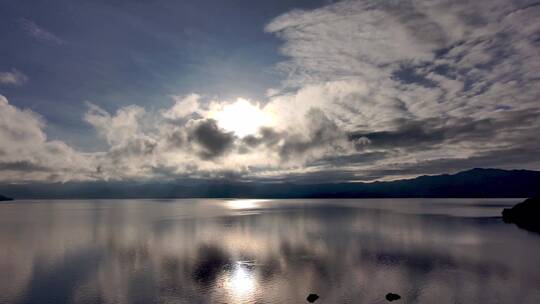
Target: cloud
[
  {"x": 212, "y": 140},
  {"x": 266, "y": 136},
  {"x": 371, "y": 90},
  {"x": 39, "y": 33},
  {"x": 27, "y": 155},
  {"x": 183, "y": 107},
  {"x": 25, "y": 166},
  {"x": 117, "y": 129},
  {"x": 323, "y": 137},
  {"x": 418, "y": 80},
  {"x": 13, "y": 77}
]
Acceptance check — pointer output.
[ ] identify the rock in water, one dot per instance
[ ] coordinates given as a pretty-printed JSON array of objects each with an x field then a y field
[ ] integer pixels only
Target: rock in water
[
  {"x": 312, "y": 297},
  {"x": 392, "y": 297},
  {"x": 525, "y": 215}
]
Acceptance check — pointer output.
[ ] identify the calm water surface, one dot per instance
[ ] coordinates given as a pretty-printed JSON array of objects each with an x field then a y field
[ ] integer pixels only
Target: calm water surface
[{"x": 265, "y": 251}]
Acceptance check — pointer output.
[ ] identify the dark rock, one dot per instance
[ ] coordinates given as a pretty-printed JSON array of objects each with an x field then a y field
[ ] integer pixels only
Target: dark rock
[
  {"x": 5, "y": 198},
  {"x": 392, "y": 297},
  {"x": 525, "y": 215},
  {"x": 312, "y": 297}
]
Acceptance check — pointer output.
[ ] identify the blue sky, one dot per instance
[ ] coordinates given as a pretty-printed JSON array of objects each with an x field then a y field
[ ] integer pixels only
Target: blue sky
[
  {"x": 353, "y": 90},
  {"x": 117, "y": 53}
]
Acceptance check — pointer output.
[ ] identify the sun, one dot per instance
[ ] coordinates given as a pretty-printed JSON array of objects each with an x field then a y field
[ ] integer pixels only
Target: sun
[{"x": 241, "y": 117}]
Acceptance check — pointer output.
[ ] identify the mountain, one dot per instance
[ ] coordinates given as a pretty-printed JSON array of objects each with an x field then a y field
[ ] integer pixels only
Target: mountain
[
  {"x": 471, "y": 183},
  {"x": 5, "y": 198}
]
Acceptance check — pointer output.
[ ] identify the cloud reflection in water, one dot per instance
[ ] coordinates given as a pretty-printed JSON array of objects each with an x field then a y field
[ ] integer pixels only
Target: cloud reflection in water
[{"x": 207, "y": 251}]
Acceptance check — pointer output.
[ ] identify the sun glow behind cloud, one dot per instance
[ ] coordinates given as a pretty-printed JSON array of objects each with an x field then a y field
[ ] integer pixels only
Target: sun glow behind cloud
[
  {"x": 241, "y": 117},
  {"x": 372, "y": 90}
]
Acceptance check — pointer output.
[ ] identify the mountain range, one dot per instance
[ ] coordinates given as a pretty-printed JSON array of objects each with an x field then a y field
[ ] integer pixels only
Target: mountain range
[{"x": 471, "y": 183}]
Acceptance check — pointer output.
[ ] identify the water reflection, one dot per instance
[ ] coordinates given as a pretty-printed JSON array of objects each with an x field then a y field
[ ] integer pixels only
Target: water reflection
[
  {"x": 212, "y": 251},
  {"x": 244, "y": 203},
  {"x": 240, "y": 282}
]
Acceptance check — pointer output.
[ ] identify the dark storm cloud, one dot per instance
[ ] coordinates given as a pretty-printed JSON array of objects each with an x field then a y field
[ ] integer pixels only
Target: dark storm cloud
[
  {"x": 505, "y": 158},
  {"x": 496, "y": 158},
  {"x": 214, "y": 141},
  {"x": 353, "y": 159},
  {"x": 267, "y": 136},
  {"x": 410, "y": 133},
  {"x": 323, "y": 132},
  {"x": 418, "y": 134},
  {"x": 321, "y": 176},
  {"x": 24, "y": 166},
  {"x": 454, "y": 81}
]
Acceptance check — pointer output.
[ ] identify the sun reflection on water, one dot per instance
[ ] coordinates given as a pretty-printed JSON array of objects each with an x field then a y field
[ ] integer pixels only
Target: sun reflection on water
[
  {"x": 204, "y": 251},
  {"x": 241, "y": 283},
  {"x": 244, "y": 203}
]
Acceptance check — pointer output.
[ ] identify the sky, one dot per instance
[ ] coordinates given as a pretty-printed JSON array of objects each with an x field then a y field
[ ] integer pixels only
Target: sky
[{"x": 290, "y": 91}]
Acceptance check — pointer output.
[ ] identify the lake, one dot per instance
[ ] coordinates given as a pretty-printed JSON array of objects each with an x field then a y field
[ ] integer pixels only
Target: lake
[{"x": 265, "y": 251}]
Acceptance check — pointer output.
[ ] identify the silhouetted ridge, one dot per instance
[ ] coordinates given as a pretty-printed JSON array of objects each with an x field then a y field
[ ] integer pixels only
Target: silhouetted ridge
[
  {"x": 5, "y": 198},
  {"x": 471, "y": 183},
  {"x": 525, "y": 215}
]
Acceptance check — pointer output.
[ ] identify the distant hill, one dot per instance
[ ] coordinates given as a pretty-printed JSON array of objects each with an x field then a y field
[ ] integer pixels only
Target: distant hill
[
  {"x": 471, "y": 183},
  {"x": 5, "y": 198}
]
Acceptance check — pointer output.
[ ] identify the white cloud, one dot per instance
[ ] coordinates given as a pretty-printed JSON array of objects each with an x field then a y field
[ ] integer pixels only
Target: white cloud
[
  {"x": 26, "y": 154},
  {"x": 117, "y": 129},
  {"x": 183, "y": 107},
  {"x": 378, "y": 66},
  {"x": 13, "y": 77},
  {"x": 371, "y": 89},
  {"x": 39, "y": 32}
]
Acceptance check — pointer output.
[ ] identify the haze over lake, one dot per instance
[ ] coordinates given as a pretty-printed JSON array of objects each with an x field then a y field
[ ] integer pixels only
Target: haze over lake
[{"x": 265, "y": 251}]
